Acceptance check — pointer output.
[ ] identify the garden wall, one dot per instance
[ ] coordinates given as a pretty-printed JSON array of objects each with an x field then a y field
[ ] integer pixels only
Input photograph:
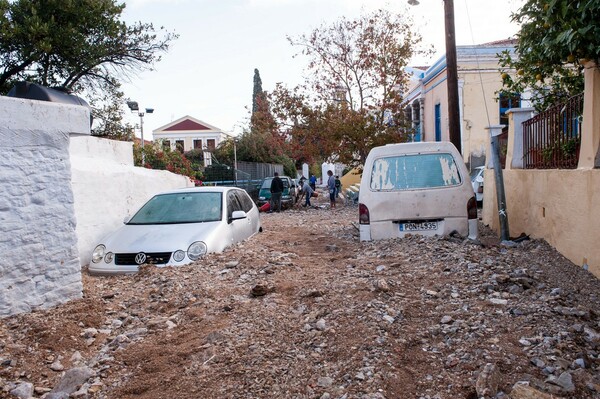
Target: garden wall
[
  {"x": 39, "y": 263},
  {"x": 107, "y": 187}
]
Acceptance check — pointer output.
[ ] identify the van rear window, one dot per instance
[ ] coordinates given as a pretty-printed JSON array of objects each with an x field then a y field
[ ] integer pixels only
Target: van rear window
[{"x": 407, "y": 172}]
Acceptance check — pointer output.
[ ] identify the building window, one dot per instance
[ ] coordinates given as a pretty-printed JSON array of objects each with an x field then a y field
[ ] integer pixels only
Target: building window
[
  {"x": 166, "y": 145},
  {"x": 438, "y": 122},
  {"x": 210, "y": 144},
  {"x": 197, "y": 144},
  {"x": 179, "y": 145},
  {"x": 508, "y": 101}
]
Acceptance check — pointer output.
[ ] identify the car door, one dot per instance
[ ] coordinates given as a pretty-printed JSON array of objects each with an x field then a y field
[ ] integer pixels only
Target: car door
[
  {"x": 239, "y": 228},
  {"x": 251, "y": 217}
]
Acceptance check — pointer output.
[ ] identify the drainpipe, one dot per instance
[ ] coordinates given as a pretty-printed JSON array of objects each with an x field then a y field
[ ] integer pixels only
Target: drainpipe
[{"x": 495, "y": 131}]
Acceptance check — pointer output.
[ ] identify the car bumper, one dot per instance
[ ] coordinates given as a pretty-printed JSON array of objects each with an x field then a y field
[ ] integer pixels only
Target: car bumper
[{"x": 388, "y": 229}]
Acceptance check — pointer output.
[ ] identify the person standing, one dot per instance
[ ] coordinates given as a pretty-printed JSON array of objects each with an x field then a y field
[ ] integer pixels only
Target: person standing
[
  {"x": 313, "y": 182},
  {"x": 331, "y": 187},
  {"x": 338, "y": 186},
  {"x": 276, "y": 192},
  {"x": 308, "y": 192}
]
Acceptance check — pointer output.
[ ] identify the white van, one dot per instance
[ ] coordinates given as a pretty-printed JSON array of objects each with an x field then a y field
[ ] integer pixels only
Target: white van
[{"x": 420, "y": 188}]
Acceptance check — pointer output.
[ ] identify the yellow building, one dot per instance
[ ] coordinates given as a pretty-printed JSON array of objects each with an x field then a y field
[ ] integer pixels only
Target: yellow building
[{"x": 479, "y": 80}]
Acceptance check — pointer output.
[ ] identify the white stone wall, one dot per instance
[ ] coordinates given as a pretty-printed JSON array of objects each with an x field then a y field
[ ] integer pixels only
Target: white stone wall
[
  {"x": 39, "y": 263},
  {"x": 107, "y": 188}
]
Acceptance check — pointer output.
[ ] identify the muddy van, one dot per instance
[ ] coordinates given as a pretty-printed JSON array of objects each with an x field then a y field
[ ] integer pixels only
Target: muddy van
[{"x": 418, "y": 188}]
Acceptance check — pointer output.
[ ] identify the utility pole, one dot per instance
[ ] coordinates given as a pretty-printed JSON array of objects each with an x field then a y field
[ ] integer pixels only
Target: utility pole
[{"x": 452, "y": 76}]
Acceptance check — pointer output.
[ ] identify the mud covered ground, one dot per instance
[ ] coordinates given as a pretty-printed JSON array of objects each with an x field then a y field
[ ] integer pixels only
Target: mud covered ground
[{"x": 304, "y": 310}]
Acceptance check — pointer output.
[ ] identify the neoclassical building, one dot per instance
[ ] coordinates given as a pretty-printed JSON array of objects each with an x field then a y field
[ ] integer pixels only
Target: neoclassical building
[{"x": 480, "y": 105}]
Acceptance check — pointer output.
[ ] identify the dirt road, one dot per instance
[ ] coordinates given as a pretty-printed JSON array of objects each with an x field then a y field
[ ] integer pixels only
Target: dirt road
[{"x": 303, "y": 310}]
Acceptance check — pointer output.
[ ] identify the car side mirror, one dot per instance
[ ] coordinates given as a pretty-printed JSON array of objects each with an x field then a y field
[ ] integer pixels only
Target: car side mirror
[{"x": 236, "y": 215}]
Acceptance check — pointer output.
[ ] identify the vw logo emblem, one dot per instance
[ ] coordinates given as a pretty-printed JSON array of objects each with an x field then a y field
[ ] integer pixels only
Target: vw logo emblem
[{"x": 140, "y": 258}]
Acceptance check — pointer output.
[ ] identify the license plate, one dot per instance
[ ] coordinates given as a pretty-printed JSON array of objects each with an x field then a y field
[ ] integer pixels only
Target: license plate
[{"x": 418, "y": 226}]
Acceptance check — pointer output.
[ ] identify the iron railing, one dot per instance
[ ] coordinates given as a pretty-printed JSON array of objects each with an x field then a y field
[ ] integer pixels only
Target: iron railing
[{"x": 551, "y": 139}]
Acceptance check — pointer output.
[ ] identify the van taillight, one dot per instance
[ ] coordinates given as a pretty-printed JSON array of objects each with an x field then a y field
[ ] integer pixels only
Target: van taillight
[
  {"x": 363, "y": 214},
  {"x": 472, "y": 208}
]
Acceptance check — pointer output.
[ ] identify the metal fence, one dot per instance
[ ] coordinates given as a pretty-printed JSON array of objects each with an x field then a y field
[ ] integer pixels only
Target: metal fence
[
  {"x": 551, "y": 139},
  {"x": 248, "y": 177}
]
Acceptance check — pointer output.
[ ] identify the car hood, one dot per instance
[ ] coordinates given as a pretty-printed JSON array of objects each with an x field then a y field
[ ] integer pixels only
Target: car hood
[{"x": 158, "y": 238}]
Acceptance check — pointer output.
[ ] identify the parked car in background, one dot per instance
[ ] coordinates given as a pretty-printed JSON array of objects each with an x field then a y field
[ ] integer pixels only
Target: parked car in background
[
  {"x": 288, "y": 197},
  {"x": 176, "y": 228},
  {"x": 420, "y": 188},
  {"x": 477, "y": 182}
]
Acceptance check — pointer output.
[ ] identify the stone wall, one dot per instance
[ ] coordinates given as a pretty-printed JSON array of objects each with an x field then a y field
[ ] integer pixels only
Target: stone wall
[
  {"x": 107, "y": 187},
  {"x": 39, "y": 263}
]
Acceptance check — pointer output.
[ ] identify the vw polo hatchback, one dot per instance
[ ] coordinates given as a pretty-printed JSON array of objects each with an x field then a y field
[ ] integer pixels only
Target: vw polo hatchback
[{"x": 420, "y": 188}]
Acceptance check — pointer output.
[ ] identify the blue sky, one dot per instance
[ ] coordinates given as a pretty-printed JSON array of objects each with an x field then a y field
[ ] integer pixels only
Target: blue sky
[{"x": 208, "y": 71}]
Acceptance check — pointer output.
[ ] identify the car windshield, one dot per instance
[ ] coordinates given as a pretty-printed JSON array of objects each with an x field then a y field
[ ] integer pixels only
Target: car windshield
[
  {"x": 414, "y": 171},
  {"x": 180, "y": 208},
  {"x": 475, "y": 172}
]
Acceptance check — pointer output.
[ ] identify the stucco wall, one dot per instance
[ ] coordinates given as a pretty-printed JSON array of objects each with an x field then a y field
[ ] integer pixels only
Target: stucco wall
[
  {"x": 107, "y": 187},
  {"x": 560, "y": 206},
  {"x": 39, "y": 263}
]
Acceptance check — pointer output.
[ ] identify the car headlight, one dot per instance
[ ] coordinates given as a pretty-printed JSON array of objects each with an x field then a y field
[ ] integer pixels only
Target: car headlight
[
  {"x": 108, "y": 258},
  {"x": 178, "y": 255},
  {"x": 196, "y": 250},
  {"x": 98, "y": 253}
]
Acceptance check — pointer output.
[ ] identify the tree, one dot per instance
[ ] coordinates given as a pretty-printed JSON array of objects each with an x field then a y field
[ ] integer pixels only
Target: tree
[
  {"x": 257, "y": 91},
  {"x": 73, "y": 44},
  {"x": 356, "y": 82},
  {"x": 108, "y": 114},
  {"x": 555, "y": 39}
]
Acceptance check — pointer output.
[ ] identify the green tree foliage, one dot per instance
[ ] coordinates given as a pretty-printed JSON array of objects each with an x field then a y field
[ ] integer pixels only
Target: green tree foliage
[
  {"x": 556, "y": 38},
  {"x": 73, "y": 44},
  {"x": 80, "y": 46},
  {"x": 163, "y": 159},
  {"x": 257, "y": 91},
  {"x": 108, "y": 115}
]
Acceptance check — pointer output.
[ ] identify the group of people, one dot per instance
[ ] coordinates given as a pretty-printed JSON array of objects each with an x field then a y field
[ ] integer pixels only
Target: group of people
[{"x": 308, "y": 187}]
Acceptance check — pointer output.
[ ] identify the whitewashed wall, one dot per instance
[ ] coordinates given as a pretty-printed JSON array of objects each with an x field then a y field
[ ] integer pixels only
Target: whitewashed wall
[
  {"x": 39, "y": 263},
  {"x": 107, "y": 188}
]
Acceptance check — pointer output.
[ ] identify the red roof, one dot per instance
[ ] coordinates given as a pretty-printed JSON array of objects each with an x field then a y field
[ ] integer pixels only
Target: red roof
[{"x": 187, "y": 125}]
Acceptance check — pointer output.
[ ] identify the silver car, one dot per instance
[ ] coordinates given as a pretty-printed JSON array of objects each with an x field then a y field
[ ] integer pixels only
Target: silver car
[{"x": 176, "y": 228}]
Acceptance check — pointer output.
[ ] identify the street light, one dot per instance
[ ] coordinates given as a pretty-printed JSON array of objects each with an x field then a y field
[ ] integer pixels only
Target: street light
[
  {"x": 235, "y": 140},
  {"x": 134, "y": 107},
  {"x": 451, "y": 72}
]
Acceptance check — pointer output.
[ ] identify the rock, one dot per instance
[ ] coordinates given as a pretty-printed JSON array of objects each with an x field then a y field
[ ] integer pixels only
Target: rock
[
  {"x": 90, "y": 333},
  {"x": 538, "y": 362},
  {"x": 325, "y": 382},
  {"x": 321, "y": 325},
  {"x": 332, "y": 248},
  {"x": 381, "y": 285},
  {"x": 72, "y": 380},
  {"x": 498, "y": 301},
  {"x": 389, "y": 318},
  {"x": 360, "y": 376},
  {"x": 232, "y": 264},
  {"x": 380, "y": 268},
  {"x": 488, "y": 381},
  {"x": 57, "y": 366},
  {"x": 565, "y": 381},
  {"x": 446, "y": 319},
  {"x": 525, "y": 342},
  {"x": 259, "y": 290},
  {"x": 116, "y": 323},
  {"x": 24, "y": 390},
  {"x": 432, "y": 293},
  {"x": 522, "y": 390}
]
